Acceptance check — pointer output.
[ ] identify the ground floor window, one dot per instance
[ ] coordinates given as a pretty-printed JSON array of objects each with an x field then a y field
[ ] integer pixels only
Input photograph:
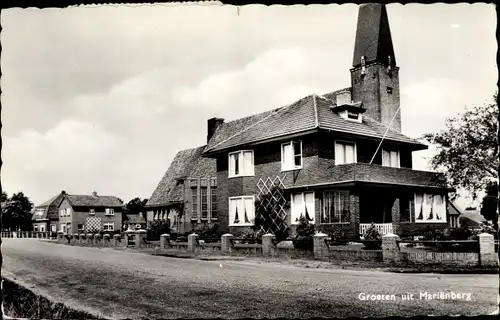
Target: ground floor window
[
  {"x": 336, "y": 207},
  {"x": 81, "y": 227},
  {"x": 242, "y": 211},
  {"x": 42, "y": 228},
  {"x": 35, "y": 228},
  {"x": 454, "y": 221},
  {"x": 302, "y": 206},
  {"x": 108, "y": 226},
  {"x": 430, "y": 207},
  {"x": 53, "y": 228}
]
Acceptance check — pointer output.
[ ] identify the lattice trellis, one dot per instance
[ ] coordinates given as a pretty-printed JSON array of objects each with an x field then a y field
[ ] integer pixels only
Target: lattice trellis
[
  {"x": 93, "y": 224},
  {"x": 272, "y": 201}
]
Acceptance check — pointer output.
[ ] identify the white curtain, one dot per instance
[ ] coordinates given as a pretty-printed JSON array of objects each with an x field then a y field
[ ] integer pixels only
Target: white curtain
[
  {"x": 233, "y": 204},
  {"x": 249, "y": 210},
  {"x": 309, "y": 199},
  {"x": 232, "y": 164},
  {"x": 297, "y": 207},
  {"x": 419, "y": 207},
  {"x": 386, "y": 158},
  {"x": 349, "y": 153},
  {"x": 395, "y": 159},
  {"x": 439, "y": 208},
  {"x": 339, "y": 154}
]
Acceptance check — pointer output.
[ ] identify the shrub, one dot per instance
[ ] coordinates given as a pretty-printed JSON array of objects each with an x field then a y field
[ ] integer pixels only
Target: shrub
[
  {"x": 209, "y": 233},
  {"x": 251, "y": 236},
  {"x": 156, "y": 228},
  {"x": 305, "y": 233},
  {"x": 338, "y": 237},
  {"x": 372, "y": 234}
]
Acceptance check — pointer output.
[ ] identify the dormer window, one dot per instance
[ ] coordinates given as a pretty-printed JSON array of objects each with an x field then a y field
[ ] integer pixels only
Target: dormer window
[
  {"x": 91, "y": 211},
  {"x": 351, "y": 111}
]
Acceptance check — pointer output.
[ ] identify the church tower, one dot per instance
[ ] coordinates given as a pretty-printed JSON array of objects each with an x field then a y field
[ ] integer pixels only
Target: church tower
[{"x": 375, "y": 76}]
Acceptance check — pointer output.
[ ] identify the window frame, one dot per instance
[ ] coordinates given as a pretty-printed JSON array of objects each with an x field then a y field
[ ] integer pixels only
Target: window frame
[
  {"x": 107, "y": 224},
  {"x": 344, "y": 143},
  {"x": 242, "y": 170},
  {"x": 109, "y": 211},
  {"x": 204, "y": 205},
  {"x": 213, "y": 204},
  {"x": 92, "y": 211},
  {"x": 313, "y": 215},
  {"x": 35, "y": 228},
  {"x": 390, "y": 150},
  {"x": 332, "y": 221},
  {"x": 292, "y": 167},
  {"x": 425, "y": 213},
  {"x": 241, "y": 198},
  {"x": 83, "y": 227}
]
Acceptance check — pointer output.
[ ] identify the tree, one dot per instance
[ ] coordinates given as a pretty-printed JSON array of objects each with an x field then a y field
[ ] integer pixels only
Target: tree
[
  {"x": 16, "y": 213},
  {"x": 490, "y": 203},
  {"x": 135, "y": 206},
  {"x": 5, "y": 197},
  {"x": 467, "y": 149}
]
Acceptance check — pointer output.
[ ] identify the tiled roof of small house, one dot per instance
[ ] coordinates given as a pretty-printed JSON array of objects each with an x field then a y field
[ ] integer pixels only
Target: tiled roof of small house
[
  {"x": 471, "y": 218},
  {"x": 49, "y": 207},
  {"x": 309, "y": 113},
  {"x": 93, "y": 201},
  {"x": 186, "y": 164},
  {"x": 134, "y": 218}
]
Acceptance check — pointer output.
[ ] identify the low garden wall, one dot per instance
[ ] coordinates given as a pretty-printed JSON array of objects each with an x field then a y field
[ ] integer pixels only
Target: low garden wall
[
  {"x": 28, "y": 234},
  {"x": 390, "y": 249}
]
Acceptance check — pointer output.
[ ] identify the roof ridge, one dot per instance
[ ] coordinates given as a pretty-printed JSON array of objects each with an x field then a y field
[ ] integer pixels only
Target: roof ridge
[
  {"x": 272, "y": 112},
  {"x": 315, "y": 111}
]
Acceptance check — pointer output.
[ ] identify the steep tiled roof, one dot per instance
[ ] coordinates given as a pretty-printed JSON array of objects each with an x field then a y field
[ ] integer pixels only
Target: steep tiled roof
[
  {"x": 310, "y": 113},
  {"x": 93, "y": 201},
  {"x": 49, "y": 207},
  {"x": 187, "y": 163}
]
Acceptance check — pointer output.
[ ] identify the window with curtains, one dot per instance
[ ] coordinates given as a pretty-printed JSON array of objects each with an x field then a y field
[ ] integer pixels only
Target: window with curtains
[
  {"x": 390, "y": 158},
  {"x": 213, "y": 198},
  {"x": 291, "y": 155},
  {"x": 302, "y": 205},
  {"x": 336, "y": 207},
  {"x": 345, "y": 152},
  {"x": 241, "y": 163},
  {"x": 430, "y": 208},
  {"x": 241, "y": 211}
]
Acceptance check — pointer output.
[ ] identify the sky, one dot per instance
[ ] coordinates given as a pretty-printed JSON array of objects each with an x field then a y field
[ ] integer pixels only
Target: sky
[{"x": 101, "y": 98}]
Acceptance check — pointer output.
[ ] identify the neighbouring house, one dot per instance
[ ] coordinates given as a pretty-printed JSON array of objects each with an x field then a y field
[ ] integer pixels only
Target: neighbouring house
[
  {"x": 187, "y": 194},
  {"x": 89, "y": 213},
  {"x": 136, "y": 220},
  {"x": 454, "y": 212},
  {"x": 340, "y": 159},
  {"x": 46, "y": 215}
]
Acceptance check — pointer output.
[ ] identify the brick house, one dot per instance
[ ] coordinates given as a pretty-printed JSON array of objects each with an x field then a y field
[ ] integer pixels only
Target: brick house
[
  {"x": 340, "y": 158},
  {"x": 186, "y": 196},
  {"x": 46, "y": 215},
  {"x": 89, "y": 213}
]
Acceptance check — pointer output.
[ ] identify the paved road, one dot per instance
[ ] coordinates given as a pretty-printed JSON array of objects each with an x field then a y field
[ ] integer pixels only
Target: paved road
[{"x": 122, "y": 284}]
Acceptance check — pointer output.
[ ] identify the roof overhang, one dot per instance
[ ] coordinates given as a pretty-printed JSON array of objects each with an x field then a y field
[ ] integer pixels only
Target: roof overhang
[
  {"x": 163, "y": 205},
  {"x": 355, "y": 183}
]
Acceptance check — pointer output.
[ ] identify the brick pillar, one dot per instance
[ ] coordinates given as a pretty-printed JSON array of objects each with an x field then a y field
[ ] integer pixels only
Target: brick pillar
[
  {"x": 355, "y": 215},
  {"x": 106, "y": 240},
  {"x": 395, "y": 215},
  {"x": 192, "y": 242},
  {"x": 487, "y": 255},
  {"x": 390, "y": 248},
  {"x": 140, "y": 236},
  {"x": 268, "y": 246},
  {"x": 90, "y": 239},
  {"x": 164, "y": 241},
  {"x": 116, "y": 240},
  {"x": 226, "y": 243},
  {"x": 321, "y": 250}
]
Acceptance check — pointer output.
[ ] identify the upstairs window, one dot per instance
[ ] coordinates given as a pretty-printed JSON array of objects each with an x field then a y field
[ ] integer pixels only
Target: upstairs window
[
  {"x": 345, "y": 152},
  {"x": 194, "y": 199},
  {"x": 68, "y": 212},
  {"x": 291, "y": 155},
  {"x": 241, "y": 164},
  {"x": 92, "y": 211},
  {"x": 62, "y": 212},
  {"x": 390, "y": 158},
  {"x": 302, "y": 205},
  {"x": 204, "y": 203},
  {"x": 39, "y": 212},
  {"x": 110, "y": 211},
  {"x": 430, "y": 208}
]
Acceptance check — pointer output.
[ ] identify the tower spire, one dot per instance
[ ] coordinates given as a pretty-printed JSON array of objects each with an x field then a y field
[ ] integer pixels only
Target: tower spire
[{"x": 373, "y": 36}]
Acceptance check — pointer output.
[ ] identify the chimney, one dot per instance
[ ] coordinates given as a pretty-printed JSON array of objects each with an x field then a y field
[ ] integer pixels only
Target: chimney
[
  {"x": 94, "y": 194},
  {"x": 63, "y": 192},
  {"x": 212, "y": 125}
]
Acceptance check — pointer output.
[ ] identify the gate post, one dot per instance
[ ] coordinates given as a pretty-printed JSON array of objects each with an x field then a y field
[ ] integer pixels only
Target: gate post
[
  {"x": 226, "y": 243},
  {"x": 487, "y": 256},
  {"x": 321, "y": 250},
  {"x": 192, "y": 242},
  {"x": 268, "y": 246},
  {"x": 390, "y": 248}
]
